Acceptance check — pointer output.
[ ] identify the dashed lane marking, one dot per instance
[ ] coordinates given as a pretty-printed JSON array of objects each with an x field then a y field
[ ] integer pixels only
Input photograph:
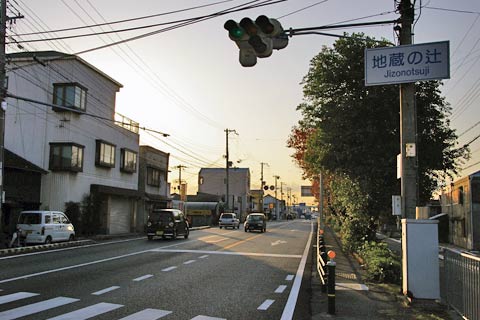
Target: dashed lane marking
[
  {"x": 143, "y": 277},
  {"x": 189, "y": 261},
  {"x": 266, "y": 304},
  {"x": 254, "y": 254},
  {"x": 290, "y": 277},
  {"x": 169, "y": 269},
  {"x": 103, "y": 291},
  {"x": 280, "y": 289}
]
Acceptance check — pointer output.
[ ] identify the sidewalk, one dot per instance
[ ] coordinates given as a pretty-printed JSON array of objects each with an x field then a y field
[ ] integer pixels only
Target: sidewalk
[{"x": 355, "y": 299}]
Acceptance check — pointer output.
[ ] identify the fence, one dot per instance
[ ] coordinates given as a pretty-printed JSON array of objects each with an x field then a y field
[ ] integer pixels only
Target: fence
[{"x": 460, "y": 285}]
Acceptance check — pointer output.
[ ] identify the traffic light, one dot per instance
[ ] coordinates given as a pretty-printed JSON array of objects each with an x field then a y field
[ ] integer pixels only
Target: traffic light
[{"x": 256, "y": 39}]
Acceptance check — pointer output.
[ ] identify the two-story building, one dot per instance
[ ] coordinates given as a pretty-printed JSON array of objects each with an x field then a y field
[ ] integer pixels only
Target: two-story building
[
  {"x": 213, "y": 181},
  {"x": 60, "y": 119},
  {"x": 152, "y": 183}
]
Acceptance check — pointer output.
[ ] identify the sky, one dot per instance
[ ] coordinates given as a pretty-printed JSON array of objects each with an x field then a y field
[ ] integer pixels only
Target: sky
[{"x": 187, "y": 82}]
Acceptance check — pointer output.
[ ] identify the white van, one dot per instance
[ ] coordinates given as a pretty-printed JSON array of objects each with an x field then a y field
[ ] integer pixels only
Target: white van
[{"x": 45, "y": 226}]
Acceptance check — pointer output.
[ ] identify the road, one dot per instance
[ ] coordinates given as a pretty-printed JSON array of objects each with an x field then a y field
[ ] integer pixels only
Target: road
[{"x": 214, "y": 274}]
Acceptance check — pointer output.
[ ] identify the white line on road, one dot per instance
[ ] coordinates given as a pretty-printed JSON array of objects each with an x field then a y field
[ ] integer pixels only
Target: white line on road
[
  {"x": 35, "y": 308},
  {"x": 143, "y": 277},
  {"x": 280, "y": 289},
  {"x": 169, "y": 269},
  {"x": 266, "y": 304},
  {"x": 189, "y": 261},
  {"x": 148, "y": 314},
  {"x": 16, "y": 296},
  {"x": 293, "y": 296},
  {"x": 290, "y": 277},
  {"x": 100, "y": 292},
  {"x": 204, "y": 256},
  {"x": 207, "y": 318},
  {"x": 274, "y": 255},
  {"x": 88, "y": 312}
]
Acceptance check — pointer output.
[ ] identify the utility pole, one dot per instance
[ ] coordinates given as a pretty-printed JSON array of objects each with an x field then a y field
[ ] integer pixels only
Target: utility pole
[
  {"x": 262, "y": 184},
  {"x": 180, "y": 167},
  {"x": 3, "y": 92},
  {"x": 227, "y": 165},
  {"x": 276, "y": 200},
  {"x": 408, "y": 124},
  {"x": 320, "y": 200}
]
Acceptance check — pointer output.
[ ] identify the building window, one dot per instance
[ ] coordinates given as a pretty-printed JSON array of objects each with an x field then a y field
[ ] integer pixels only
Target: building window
[
  {"x": 69, "y": 95},
  {"x": 153, "y": 177},
  {"x": 105, "y": 154},
  {"x": 128, "y": 161},
  {"x": 66, "y": 157}
]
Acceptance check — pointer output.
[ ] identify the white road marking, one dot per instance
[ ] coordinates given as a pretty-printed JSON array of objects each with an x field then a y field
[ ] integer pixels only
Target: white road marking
[
  {"x": 276, "y": 243},
  {"x": 189, "y": 261},
  {"x": 214, "y": 240},
  {"x": 148, "y": 314},
  {"x": 143, "y": 277},
  {"x": 351, "y": 286},
  {"x": 206, "y": 318},
  {"x": 203, "y": 257},
  {"x": 88, "y": 312},
  {"x": 290, "y": 277},
  {"x": 16, "y": 296},
  {"x": 274, "y": 255},
  {"x": 266, "y": 304},
  {"x": 169, "y": 269},
  {"x": 100, "y": 292},
  {"x": 35, "y": 308},
  {"x": 74, "y": 266},
  {"x": 293, "y": 296},
  {"x": 280, "y": 289}
]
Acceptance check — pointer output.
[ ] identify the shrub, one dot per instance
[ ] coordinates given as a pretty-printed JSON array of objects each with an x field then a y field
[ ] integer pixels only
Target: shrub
[{"x": 381, "y": 264}]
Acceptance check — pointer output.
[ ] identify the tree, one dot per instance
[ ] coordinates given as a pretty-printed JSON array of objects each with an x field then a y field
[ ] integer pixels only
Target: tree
[{"x": 353, "y": 130}]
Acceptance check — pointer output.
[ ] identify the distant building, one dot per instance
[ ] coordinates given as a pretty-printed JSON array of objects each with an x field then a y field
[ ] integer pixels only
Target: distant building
[
  {"x": 213, "y": 181},
  {"x": 461, "y": 200}
]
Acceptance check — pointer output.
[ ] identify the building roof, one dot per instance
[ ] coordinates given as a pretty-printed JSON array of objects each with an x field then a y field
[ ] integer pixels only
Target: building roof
[
  {"x": 45, "y": 56},
  {"x": 14, "y": 161}
]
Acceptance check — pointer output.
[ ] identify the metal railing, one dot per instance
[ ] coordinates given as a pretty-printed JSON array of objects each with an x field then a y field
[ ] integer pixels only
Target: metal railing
[
  {"x": 460, "y": 286},
  {"x": 321, "y": 258}
]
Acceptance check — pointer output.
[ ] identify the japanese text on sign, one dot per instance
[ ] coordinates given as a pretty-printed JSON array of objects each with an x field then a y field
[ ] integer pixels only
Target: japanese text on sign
[{"x": 388, "y": 65}]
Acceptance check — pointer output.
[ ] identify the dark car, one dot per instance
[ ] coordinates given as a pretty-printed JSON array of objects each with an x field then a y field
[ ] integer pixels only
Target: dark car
[
  {"x": 167, "y": 223},
  {"x": 256, "y": 221}
]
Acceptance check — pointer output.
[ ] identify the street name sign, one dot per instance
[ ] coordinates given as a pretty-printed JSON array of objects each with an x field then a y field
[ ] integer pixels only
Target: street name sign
[{"x": 407, "y": 63}]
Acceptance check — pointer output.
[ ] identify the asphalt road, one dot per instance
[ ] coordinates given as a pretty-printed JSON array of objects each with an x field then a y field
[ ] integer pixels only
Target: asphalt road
[{"x": 214, "y": 274}]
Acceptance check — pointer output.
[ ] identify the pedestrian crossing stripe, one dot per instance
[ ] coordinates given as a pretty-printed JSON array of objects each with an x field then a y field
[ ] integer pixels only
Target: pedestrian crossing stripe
[{"x": 79, "y": 314}]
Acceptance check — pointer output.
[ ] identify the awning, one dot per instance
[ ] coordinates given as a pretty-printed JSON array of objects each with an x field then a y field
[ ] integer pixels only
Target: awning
[
  {"x": 98, "y": 188},
  {"x": 14, "y": 161},
  {"x": 156, "y": 197}
]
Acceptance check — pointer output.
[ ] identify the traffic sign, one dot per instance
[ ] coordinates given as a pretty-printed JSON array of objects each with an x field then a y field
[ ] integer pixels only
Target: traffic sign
[{"x": 407, "y": 63}]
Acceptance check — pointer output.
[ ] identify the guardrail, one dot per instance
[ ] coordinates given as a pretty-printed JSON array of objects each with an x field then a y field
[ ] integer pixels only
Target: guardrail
[{"x": 461, "y": 283}]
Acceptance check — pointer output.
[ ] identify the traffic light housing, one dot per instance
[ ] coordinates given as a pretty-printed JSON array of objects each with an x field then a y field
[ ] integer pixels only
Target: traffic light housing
[{"x": 256, "y": 39}]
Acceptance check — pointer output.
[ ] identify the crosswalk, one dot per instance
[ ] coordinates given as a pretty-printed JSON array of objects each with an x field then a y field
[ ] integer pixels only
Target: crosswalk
[{"x": 36, "y": 308}]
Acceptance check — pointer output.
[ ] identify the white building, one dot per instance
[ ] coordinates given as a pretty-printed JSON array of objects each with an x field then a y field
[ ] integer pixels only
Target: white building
[
  {"x": 79, "y": 145},
  {"x": 213, "y": 181}
]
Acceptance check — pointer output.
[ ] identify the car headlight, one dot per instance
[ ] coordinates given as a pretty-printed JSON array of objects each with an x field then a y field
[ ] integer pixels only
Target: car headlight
[
  {"x": 149, "y": 224},
  {"x": 171, "y": 224}
]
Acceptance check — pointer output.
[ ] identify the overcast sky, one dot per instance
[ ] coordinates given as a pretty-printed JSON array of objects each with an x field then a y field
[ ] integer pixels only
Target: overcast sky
[{"x": 187, "y": 82}]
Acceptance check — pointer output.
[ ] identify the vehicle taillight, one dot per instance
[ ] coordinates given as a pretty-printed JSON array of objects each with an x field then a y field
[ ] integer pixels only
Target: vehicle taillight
[{"x": 43, "y": 231}]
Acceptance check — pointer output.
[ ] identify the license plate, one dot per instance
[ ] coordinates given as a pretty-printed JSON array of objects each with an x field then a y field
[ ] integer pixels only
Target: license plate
[{"x": 159, "y": 233}]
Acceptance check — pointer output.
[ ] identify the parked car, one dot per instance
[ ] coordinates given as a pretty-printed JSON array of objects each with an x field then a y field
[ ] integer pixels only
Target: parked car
[
  {"x": 228, "y": 219},
  {"x": 45, "y": 227},
  {"x": 167, "y": 223},
  {"x": 256, "y": 221}
]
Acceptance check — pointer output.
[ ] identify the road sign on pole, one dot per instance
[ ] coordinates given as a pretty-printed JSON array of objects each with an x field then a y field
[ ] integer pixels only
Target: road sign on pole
[{"x": 407, "y": 63}]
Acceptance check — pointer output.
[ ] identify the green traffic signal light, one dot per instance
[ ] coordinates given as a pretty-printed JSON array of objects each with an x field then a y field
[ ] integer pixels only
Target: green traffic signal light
[{"x": 234, "y": 30}]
